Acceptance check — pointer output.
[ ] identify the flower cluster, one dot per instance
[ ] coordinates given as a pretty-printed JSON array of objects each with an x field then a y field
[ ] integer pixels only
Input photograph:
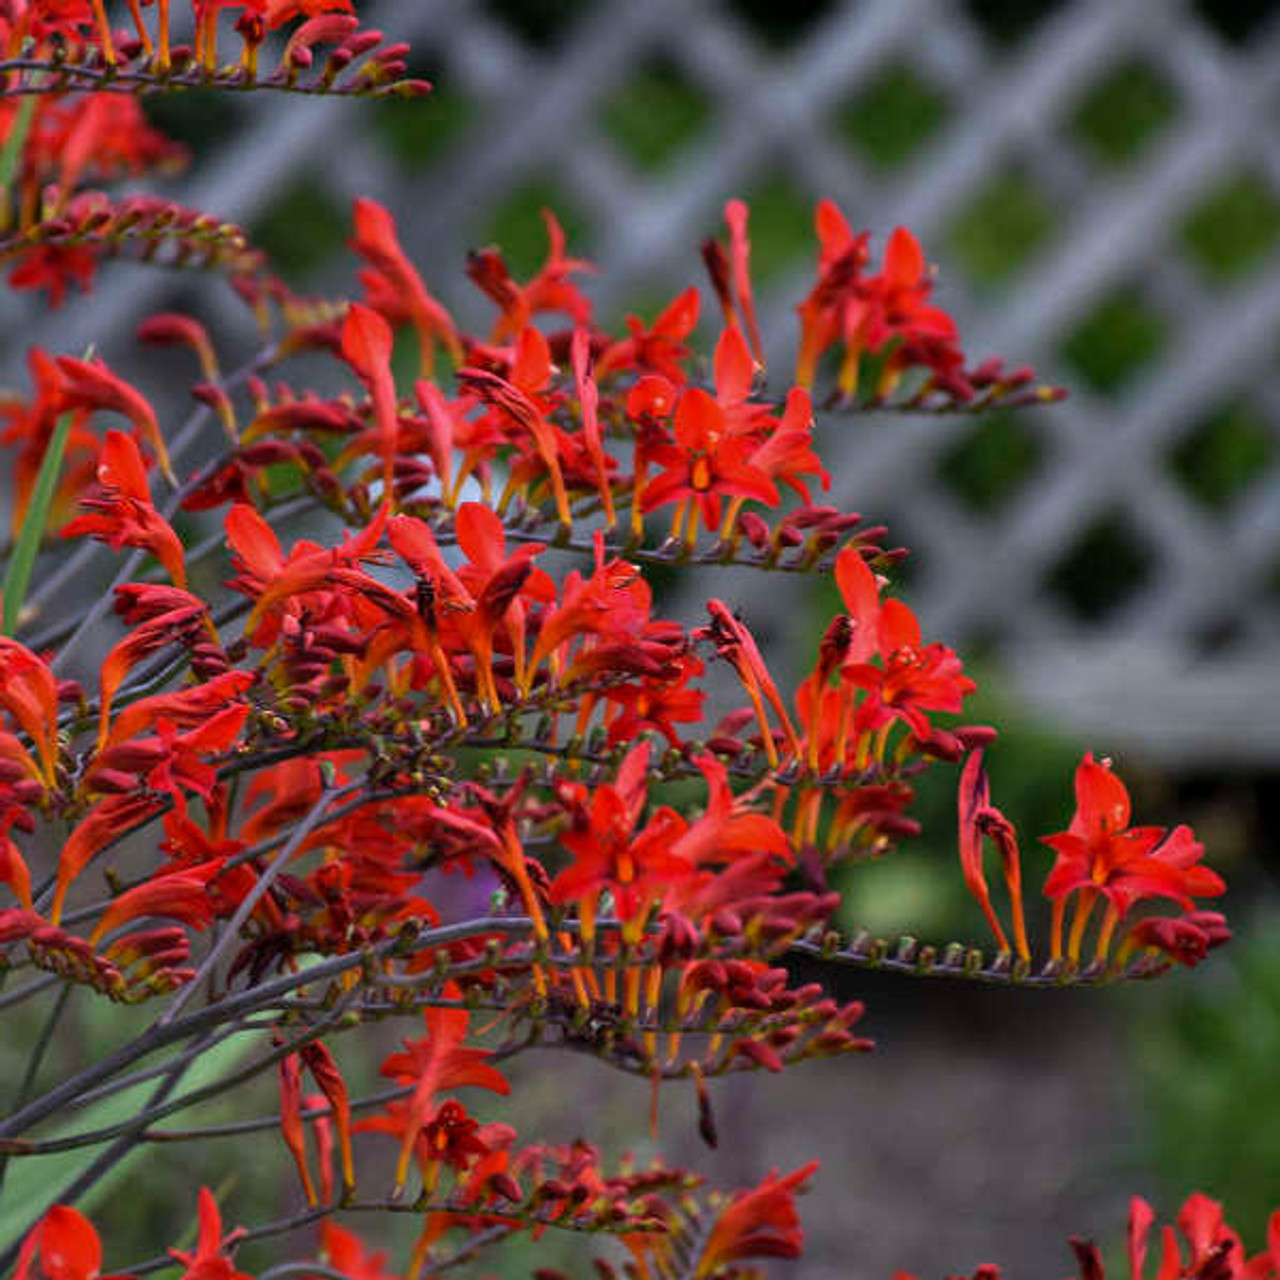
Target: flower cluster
[
  {"x": 1200, "y": 1245},
  {"x": 304, "y": 762},
  {"x": 81, "y": 45}
]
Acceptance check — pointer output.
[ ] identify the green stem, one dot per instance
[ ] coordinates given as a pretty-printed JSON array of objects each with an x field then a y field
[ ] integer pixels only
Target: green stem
[
  {"x": 17, "y": 576},
  {"x": 11, "y": 152}
]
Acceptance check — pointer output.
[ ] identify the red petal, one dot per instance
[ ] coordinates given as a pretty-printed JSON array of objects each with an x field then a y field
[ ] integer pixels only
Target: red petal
[
  {"x": 366, "y": 341},
  {"x": 833, "y": 229},
  {"x": 903, "y": 259},
  {"x": 735, "y": 370},
  {"x": 69, "y": 1246},
  {"x": 1101, "y": 798}
]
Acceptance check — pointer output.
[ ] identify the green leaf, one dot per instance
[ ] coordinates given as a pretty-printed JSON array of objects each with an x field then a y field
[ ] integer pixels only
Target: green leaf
[
  {"x": 11, "y": 152},
  {"x": 22, "y": 561},
  {"x": 33, "y": 1181}
]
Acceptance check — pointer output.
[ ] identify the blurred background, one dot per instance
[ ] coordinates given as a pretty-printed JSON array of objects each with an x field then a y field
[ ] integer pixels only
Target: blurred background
[{"x": 1098, "y": 183}]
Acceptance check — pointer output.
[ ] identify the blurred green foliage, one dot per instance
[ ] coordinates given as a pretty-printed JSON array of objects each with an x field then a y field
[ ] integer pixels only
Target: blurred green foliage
[
  {"x": 300, "y": 227},
  {"x": 1224, "y": 454},
  {"x": 1002, "y": 228},
  {"x": 893, "y": 117},
  {"x": 654, "y": 115},
  {"x": 781, "y": 226},
  {"x": 1233, "y": 226},
  {"x": 994, "y": 456},
  {"x": 1106, "y": 563},
  {"x": 1118, "y": 338},
  {"x": 414, "y": 137},
  {"x": 1123, "y": 112},
  {"x": 1206, "y": 1051},
  {"x": 199, "y": 119}
]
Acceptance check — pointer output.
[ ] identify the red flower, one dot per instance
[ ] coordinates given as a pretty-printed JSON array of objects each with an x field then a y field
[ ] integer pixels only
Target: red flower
[
  {"x": 55, "y": 267},
  {"x": 111, "y": 818},
  {"x": 1216, "y": 1251},
  {"x": 659, "y": 349},
  {"x": 278, "y": 12},
  {"x": 1100, "y": 854},
  {"x": 13, "y": 866},
  {"x": 62, "y": 1246},
  {"x": 915, "y": 678},
  {"x": 706, "y": 463},
  {"x": 43, "y": 18},
  {"x": 841, "y": 258},
  {"x": 346, "y": 1252},
  {"x": 1126, "y": 864},
  {"x": 736, "y": 645},
  {"x": 172, "y": 329},
  {"x": 761, "y": 1223},
  {"x": 453, "y": 1137},
  {"x": 657, "y": 703},
  {"x": 183, "y": 759},
  {"x": 176, "y": 626},
  {"x": 866, "y": 313},
  {"x": 91, "y": 385},
  {"x": 438, "y": 1061},
  {"x": 898, "y": 305},
  {"x": 324, "y": 1071},
  {"x": 208, "y": 1261},
  {"x": 608, "y": 853},
  {"x": 301, "y": 582},
  {"x": 728, "y": 828},
  {"x": 731, "y": 275},
  {"x": 978, "y": 819},
  {"x": 280, "y": 795},
  {"x": 1187, "y": 938},
  {"x": 185, "y": 708},
  {"x": 787, "y": 453},
  {"x": 549, "y": 290},
  {"x": 30, "y": 425},
  {"x": 469, "y": 606},
  {"x": 289, "y": 1076},
  {"x": 176, "y": 895},
  {"x": 860, "y": 591},
  {"x": 366, "y": 347},
  {"x": 520, "y": 402},
  {"x": 395, "y": 289},
  {"x": 123, "y": 515},
  {"x": 589, "y": 403},
  {"x": 29, "y": 693}
]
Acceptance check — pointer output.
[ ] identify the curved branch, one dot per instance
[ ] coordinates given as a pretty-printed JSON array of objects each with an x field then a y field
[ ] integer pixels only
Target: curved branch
[
  {"x": 955, "y": 960},
  {"x": 54, "y": 75},
  {"x": 513, "y": 1218}
]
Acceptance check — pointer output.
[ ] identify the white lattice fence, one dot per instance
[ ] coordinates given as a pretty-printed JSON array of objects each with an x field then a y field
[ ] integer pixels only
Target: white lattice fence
[{"x": 1120, "y": 551}]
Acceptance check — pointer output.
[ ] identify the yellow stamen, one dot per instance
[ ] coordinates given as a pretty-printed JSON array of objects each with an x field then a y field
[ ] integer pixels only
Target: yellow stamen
[
  {"x": 691, "y": 532},
  {"x": 1109, "y": 922},
  {"x": 1055, "y": 937},
  {"x": 637, "y": 515},
  {"x": 162, "y": 35},
  {"x": 144, "y": 35},
  {"x": 731, "y": 518},
  {"x": 652, "y": 997},
  {"x": 677, "y": 520},
  {"x": 1083, "y": 910},
  {"x": 104, "y": 32}
]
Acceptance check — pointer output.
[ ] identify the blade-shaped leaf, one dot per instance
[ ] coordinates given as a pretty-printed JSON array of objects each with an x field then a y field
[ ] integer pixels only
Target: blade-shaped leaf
[{"x": 17, "y": 577}]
